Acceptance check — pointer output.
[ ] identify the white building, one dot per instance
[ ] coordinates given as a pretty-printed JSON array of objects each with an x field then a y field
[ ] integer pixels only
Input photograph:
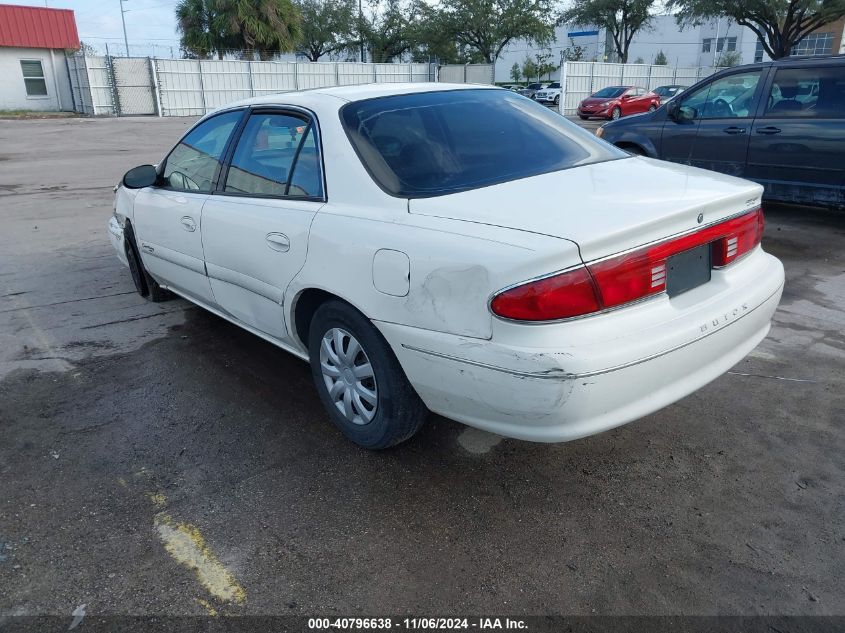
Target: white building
[{"x": 33, "y": 67}]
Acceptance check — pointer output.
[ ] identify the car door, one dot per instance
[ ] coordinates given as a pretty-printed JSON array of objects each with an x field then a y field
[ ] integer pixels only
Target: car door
[
  {"x": 712, "y": 124},
  {"x": 255, "y": 227},
  {"x": 797, "y": 146},
  {"x": 167, "y": 217},
  {"x": 638, "y": 102}
]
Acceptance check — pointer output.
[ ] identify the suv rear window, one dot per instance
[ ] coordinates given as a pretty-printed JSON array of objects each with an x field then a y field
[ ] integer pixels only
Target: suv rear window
[{"x": 435, "y": 143}]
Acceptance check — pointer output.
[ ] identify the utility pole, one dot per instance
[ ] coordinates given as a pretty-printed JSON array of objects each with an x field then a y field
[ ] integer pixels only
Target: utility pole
[
  {"x": 360, "y": 24},
  {"x": 123, "y": 20}
]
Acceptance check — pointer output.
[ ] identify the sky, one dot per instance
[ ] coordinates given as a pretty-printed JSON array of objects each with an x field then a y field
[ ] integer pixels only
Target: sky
[{"x": 150, "y": 24}]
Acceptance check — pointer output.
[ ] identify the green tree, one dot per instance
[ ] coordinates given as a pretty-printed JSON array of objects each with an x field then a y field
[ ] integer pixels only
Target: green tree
[
  {"x": 487, "y": 26},
  {"x": 203, "y": 29},
  {"x": 780, "y": 24},
  {"x": 264, "y": 26},
  {"x": 545, "y": 66},
  {"x": 621, "y": 18},
  {"x": 529, "y": 69},
  {"x": 327, "y": 26},
  {"x": 660, "y": 59},
  {"x": 516, "y": 72},
  {"x": 728, "y": 59},
  {"x": 389, "y": 28}
]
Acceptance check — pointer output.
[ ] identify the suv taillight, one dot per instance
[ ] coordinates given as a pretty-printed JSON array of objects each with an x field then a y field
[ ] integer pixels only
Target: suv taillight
[{"x": 625, "y": 278}]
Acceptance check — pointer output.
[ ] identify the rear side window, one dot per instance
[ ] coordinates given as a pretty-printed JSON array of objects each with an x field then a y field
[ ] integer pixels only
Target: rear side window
[
  {"x": 275, "y": 156},
  {"x": 807, "y": 93},
  {"x": 435, "y": 143},
  {"x": 193, "y": 163}
]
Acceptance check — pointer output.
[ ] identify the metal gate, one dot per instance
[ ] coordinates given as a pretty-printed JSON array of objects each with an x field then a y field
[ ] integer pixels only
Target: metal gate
[{"x": 133, "y": 86}]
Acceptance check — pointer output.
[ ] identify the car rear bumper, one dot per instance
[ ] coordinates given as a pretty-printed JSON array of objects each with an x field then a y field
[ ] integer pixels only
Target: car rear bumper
[{"x": 555, "y": 391}]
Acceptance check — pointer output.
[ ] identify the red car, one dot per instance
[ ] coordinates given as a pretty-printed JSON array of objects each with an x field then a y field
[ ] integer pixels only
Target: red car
[{"x": 618, "y": 101}]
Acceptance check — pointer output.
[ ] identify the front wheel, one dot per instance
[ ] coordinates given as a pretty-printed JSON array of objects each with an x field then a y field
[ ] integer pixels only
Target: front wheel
[
  {"x": 615, "y": 113},
  {"x": 583, "y": 117},
  {"x": 145, "y": 285},
  {"x": 557, "y": 100},
  {"x": 359, "y": 380},
  {"x": 652, "y": 108}
]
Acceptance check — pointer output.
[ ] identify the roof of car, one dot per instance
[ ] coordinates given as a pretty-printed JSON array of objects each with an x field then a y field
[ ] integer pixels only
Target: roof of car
[
  {"x": 794, "y": 60},
  {"x": 360, "y": 92}
]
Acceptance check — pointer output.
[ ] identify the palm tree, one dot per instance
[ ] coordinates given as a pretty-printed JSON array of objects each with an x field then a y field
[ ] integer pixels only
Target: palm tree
[
  {"x": 265, "y": 26},
  {"x": 203, "y": 28}
]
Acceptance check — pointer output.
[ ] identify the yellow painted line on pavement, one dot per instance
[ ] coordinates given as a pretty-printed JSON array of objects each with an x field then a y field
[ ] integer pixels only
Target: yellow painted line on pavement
[{"x": 186, "y": 545}]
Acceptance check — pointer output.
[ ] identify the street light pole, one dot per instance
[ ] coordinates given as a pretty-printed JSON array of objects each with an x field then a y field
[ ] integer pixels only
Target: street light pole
[{"x": 123, "y": 20}]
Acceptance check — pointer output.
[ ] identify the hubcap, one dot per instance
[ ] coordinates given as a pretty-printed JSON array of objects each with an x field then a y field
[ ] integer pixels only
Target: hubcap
[{"x": 349, "y": 376}]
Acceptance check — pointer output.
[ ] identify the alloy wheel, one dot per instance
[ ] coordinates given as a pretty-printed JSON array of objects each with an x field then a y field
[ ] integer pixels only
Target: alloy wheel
[{"x": 348, "y": 376}]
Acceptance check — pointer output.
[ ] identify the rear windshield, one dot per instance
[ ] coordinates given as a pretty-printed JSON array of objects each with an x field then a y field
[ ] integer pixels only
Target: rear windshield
[
  {"x": 435, "y": 143},
  {"x": 607, "y": 93}
]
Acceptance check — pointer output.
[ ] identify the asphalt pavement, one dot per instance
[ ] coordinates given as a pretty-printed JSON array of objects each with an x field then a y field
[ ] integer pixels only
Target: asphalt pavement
[{"x": 156, "y": 459}]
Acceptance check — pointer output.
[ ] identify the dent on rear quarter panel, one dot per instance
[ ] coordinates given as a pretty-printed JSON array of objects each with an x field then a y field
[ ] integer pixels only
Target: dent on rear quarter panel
[{"x": 454, "y": 267}]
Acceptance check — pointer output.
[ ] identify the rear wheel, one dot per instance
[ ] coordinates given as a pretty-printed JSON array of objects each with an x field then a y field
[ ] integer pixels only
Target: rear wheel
[
  {"x": 359, "y": 380},
  {"x": 615, "y": 113}
]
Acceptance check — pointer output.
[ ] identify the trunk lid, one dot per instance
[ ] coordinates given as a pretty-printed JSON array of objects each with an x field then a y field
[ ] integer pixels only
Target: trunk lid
[{"x": 604, "y": 208}]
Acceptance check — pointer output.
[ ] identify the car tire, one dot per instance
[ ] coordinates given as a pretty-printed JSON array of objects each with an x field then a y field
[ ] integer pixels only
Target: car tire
[
  {"x": 616, "y": 113},
  {"x": 366, "y": 393},
  {"x": 145, "y": 285},
  {"x": 582, "y": 117},
  {"x": 557, "y": 99},
  {"x": 652, "y": 108}
]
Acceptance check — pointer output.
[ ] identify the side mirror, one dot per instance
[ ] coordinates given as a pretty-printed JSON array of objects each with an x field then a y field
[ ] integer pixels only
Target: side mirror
[
  {"x": 140, "y": 177},
  {"x": 672, "y": 110}
]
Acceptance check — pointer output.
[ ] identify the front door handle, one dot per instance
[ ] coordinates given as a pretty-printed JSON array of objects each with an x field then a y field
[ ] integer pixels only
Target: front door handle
[
  {"x": 770, "y": 129},
  {"x": 734, "y": 130},
  {"x": 278, "y": 242},
  {"x": 188, "y": 223}
]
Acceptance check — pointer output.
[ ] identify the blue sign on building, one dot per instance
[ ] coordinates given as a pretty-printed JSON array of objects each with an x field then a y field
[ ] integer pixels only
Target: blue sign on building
[{"x": 581, "y": 33}]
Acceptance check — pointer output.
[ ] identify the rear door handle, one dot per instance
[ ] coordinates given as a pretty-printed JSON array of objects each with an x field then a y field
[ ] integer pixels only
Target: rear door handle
[
  {"x": 278, "y": 242},
  {"x": 188, "y": 223},
  {"x": 768, "y": 130},
  {"x": 734, "y": 130}
]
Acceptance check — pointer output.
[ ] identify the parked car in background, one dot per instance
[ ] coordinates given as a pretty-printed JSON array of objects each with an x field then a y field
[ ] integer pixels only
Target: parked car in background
[
  {"x": 370, "y": 230},
  {"x": 531, "y": 89},
  {"x": 668, "y": 92},
  {"x": 779, "y": 123},
  {"x": 550, "y": 94},
  {"x": 615, "y": 102}
]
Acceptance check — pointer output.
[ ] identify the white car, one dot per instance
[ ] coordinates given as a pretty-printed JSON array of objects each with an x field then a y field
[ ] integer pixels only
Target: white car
[
  {"x": 549, "y": 94},
  {"x": 382, "y": 233}
]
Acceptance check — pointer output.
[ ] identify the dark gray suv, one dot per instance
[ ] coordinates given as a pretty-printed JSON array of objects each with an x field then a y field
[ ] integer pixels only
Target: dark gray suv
[{"x": 779, "y": 123}]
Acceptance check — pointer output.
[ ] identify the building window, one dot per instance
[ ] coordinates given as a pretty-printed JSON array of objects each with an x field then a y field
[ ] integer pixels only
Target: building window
[
  {"x": 705, "y": 45},
  {"x": 33, "y": 78},
  {"x": 731, "y": 43},
  {"x": 814, "y": 44},
  {"x": 758, "y": 51}
]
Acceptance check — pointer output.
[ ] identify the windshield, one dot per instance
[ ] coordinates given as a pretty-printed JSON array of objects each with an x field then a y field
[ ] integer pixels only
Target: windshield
[
  {"x": 608, "y": 93},
  {"x": 434, "y": 143}
]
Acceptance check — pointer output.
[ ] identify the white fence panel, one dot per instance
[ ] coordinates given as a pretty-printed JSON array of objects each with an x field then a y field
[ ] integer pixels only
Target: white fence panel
[
  {"x": 270, "y": 77},
  {"x": 392, "y": 73},
  {"x": 350, "y": 74},
  {"x": 420, "y": 72},
  {"x": 133, "y": 87},
  {"x": 180, "y": 87},
  {"x": 480, "y": 73},
  {"x": 452, "y": 74},
  {"x": 100, "y": 85},
  {"x": 317, "y": 75},
  {"x": 224, "y": 82}
]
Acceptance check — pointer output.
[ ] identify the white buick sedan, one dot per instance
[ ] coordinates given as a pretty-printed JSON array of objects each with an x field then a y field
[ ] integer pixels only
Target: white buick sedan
[{"x": 391, "y": 235}]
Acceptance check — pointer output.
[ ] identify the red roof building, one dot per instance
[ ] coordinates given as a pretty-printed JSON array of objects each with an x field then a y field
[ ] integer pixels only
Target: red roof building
[
  {"x": 37, "y": 27},
  {"x": 34, "y": 71}
]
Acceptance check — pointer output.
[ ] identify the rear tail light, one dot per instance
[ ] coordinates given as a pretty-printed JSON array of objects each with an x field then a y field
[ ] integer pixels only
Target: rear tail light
[{"x": 625, "y": 278}]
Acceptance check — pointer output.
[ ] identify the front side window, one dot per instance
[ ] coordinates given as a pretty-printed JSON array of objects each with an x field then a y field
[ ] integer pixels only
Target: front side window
[
  {"x": 725, "y": 98},
  {"x": 435, "y": 143},
  {"x": 807, "y": 93},
  {"x": 33, "y": 78},
  {"x": 276, "y": 155},
  {"x": 193, "y": 163}
]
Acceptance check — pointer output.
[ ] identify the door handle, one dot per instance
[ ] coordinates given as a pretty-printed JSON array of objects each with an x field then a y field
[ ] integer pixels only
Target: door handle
[
  {"x": 188, "y": 223},
  {"x": 768, "y": 130},
  {"x": 278, "y": 242},
  {"x": 734, "y": 130}
]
